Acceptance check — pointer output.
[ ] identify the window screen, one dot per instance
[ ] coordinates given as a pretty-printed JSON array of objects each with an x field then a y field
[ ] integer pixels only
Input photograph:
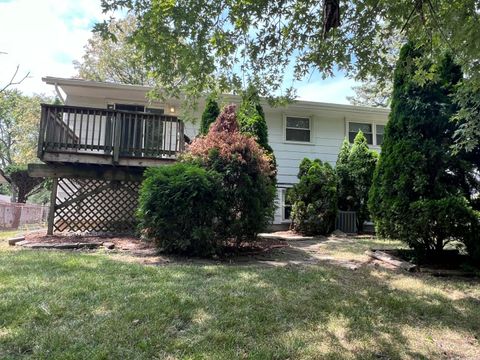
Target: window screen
[
  {"x": 354, "y": 128},
  {"x": 380, "y": 131},
  {"x": 297, "y": 129}
]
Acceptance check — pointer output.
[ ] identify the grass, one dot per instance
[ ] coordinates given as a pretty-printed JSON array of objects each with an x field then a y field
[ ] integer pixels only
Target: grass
[{"x": 70, "y": 305}]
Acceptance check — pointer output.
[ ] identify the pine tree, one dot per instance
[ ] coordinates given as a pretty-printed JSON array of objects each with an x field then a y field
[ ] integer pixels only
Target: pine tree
[
  {"x": 418, "y": 189},
  {"x": 210, "y": 114}
]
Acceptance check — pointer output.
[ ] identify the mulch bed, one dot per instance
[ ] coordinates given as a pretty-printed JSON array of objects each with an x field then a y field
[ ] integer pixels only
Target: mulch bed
[
  {"x": 134, "y": 244},
  {"x": 120, "y": 242}
]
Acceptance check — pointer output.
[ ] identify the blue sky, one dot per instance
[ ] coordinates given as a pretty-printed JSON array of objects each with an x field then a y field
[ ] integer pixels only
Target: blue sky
[{"x": 45, "y": 36}]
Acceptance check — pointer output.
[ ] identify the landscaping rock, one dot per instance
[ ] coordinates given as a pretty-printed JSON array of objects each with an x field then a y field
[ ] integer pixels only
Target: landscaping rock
[
  {"x": 284, "y": 236},
  {"x": 61, "y": 246},
  {"x": 392, "y": 260},
  {"x": 338, "y": 233},
  {"x": 15, "y": 240},
  {"x": 22, "y": 243},
  {"x": 109, "y": 245}
]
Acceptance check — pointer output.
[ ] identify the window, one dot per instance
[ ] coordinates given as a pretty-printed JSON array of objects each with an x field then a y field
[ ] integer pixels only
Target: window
[
  {"x": 354, "y": 128},
  {"x": 154, "y": 111},
  {"x": 379, "y": 134},
  {"x": 297, "y": 129},
  {"x": 129, "y": 107},
  {"x": 287, "y": 205}
]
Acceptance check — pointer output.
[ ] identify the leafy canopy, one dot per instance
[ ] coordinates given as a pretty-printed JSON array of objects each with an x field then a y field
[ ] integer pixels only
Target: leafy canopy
[
  {"x": 192, "y": 45},
  {"x": 114, "y": 59},
  {"x": 19, "y": 121}
]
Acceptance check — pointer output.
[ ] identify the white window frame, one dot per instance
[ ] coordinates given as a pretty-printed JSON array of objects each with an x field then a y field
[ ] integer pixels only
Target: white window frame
[
  {"x": 310, "y": 124},
  {"x": 373, "y": 123}
]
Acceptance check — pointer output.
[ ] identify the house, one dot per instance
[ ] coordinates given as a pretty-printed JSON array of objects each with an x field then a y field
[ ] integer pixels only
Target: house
[{"x": 98, "y": 143}]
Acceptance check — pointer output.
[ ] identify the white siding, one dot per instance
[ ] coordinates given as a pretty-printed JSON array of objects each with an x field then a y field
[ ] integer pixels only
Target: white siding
[{"x": 328, "y": 129}]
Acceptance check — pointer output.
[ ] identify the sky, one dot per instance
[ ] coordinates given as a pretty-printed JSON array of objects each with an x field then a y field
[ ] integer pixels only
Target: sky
[{"x": 44, "y": 37}]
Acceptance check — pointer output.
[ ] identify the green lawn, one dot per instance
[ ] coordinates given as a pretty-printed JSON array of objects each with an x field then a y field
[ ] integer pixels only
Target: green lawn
[{"x": 70, "y": 305}]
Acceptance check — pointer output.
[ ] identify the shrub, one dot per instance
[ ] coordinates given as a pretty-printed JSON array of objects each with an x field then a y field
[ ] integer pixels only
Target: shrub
[
  {"x": 419, "y": 185},
  {"x": 314, "y": 198},
  {"x": 209, "y": 115},
  {"x": 449, "y": 218},
  {"x": 247, "y": 183},
  {"x": 178, "y": 208}
]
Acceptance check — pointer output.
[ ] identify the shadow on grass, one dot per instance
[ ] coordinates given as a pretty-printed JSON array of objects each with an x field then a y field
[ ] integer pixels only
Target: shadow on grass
[{"x": 64, "y": 305}]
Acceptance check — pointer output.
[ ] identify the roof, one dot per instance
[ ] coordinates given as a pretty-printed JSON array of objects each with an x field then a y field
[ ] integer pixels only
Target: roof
[{"x": 68, "y": 85}]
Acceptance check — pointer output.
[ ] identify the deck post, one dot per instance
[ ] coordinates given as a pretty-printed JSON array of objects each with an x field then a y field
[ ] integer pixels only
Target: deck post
[
  {"x": 117, "y": 137},
  {"x": 51, "y": 213}
]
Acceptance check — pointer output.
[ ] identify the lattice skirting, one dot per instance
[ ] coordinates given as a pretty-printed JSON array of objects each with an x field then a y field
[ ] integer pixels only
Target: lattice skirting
[{"x": 95, "y": 205}]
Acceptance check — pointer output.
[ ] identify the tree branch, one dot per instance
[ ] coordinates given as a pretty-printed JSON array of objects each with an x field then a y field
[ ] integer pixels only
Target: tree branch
[{"x": 13, "y": 81}]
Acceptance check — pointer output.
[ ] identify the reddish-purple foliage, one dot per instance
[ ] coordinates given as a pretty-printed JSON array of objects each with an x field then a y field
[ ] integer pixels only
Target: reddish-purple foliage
[
  {"x": 224, "y": 135},
  {"x": 226, "y": 121}
]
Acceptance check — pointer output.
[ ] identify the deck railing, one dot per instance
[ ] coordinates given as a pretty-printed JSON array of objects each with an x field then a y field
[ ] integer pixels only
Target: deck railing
[{"x": 108, "y": 132}]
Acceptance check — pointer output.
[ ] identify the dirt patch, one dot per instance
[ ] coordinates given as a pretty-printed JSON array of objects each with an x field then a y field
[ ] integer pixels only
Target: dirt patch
[{"x": 121, "y": 242}]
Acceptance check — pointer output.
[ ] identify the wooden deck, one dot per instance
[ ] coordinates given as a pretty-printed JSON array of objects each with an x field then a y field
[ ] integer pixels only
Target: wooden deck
[{"x": 71, "y": 134}]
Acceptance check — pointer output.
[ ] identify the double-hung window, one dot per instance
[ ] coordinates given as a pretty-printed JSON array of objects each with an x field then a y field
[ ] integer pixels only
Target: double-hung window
[
  {"x": 379, "y": 129},
  {"x": 366, "y": 128},
  {"x": 297, "y": 129},
  {"x": 286, "y": 205}
]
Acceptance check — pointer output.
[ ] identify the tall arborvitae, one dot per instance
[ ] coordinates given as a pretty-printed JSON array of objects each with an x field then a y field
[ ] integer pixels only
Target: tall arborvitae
[
  {"x": 361, "y": 165},
  {"x": 345, "y": 182},
  {"x": 251, "y": 118},
  {"x": 210, "y": 114},
  {"x": 418, "y": 191}
]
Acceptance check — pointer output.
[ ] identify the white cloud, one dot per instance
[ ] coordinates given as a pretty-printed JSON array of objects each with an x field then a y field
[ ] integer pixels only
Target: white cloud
[
  {"x": 44, "y": 37},
  {"x": 333, "y": 90}
]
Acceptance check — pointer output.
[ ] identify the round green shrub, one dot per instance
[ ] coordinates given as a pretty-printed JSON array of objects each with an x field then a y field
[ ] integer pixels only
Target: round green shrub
[
  {"x": 450, "y": 219},
  {"x": 314, "y": 198},
  {"x": 178, "y": 208}
]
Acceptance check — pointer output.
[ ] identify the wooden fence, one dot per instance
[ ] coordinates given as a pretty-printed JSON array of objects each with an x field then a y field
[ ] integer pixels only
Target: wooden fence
[{"x": 14, "y": 215}]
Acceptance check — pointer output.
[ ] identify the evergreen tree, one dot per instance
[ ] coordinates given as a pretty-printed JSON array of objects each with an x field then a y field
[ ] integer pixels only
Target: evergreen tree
[
  {"x": 345, "y": 183},
  {"x": 361, "y": 165},
  {"x": 355, "y": 167},
  {"x": 251, "y": 118},
  {"x": 419, "y": 186},
  {"x": 210, "y": 114}
]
